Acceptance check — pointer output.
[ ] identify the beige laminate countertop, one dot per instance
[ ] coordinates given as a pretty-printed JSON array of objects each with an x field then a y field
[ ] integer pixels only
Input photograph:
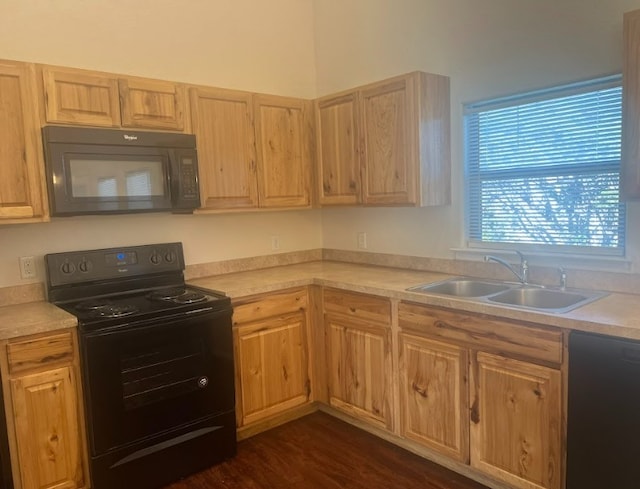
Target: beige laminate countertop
[
  {"x": 32, "y": 318},
  {"x": 613, "y": 315}
]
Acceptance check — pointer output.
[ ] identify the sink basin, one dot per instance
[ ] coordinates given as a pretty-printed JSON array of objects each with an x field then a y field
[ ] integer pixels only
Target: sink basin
[
  {"x": 510, "y": 294},
  {"x": 545, "y": 299},
  {"x": 461, "y": 287}
]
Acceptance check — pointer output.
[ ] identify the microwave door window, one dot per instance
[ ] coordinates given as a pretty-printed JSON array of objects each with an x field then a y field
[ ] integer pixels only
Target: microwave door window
[
  {"x": 107, "y": 187},
  {"x": 139, "y": 183},
  {"x": 117, "y": 179}
]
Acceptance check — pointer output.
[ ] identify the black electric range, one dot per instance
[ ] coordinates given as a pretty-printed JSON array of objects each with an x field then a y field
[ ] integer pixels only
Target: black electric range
[{"x": 157, "y": 363}]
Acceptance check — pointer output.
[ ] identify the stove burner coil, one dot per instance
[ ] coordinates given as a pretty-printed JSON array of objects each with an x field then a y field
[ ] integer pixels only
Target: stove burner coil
[
  {"x": 177, "y": 295},
  {"x": 92, "y": 305},
  {"x": 166, "y": 294},
  {"x": 189, "y": 298},
  {"x": 116, "y": 311},
  {"x": 106, "y": 310}
]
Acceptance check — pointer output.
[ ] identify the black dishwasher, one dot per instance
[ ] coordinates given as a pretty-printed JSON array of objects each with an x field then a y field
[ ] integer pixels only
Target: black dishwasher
[{"x": 603, "y": 445}]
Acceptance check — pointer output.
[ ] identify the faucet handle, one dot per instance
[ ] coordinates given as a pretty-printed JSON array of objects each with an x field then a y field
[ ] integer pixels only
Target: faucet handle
[
  {"x": 524, "y": 267},
  {"x": 563, "y": 278}
]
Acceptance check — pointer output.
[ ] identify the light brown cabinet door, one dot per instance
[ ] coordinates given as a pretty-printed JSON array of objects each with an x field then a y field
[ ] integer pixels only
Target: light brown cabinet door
[
  {"x": 516, "y": 422},
  {"x": 337, "y": 146},
  {"x": 360, "y": 369},
  {"x": 630, "y": 178},
  {"x": 271, "y": 366},
  {"x": 223, "y": 124},
  {"x": 21, "y": 175},
  {"x": 46, "y": 424},
  {"x": 152, "y": 104},
  {"x": 390, "y": 142},
  {"x": 80, "y": 97},
  {"x": 434, "y": 390},
  {"x": 283, "y": 139}
]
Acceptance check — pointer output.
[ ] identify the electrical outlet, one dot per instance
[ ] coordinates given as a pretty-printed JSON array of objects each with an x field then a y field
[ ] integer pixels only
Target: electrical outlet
[
  {"x": 362, "y": 240},
  {"x": 27, "y": 267},
  {"x": 275, "y": 242}
]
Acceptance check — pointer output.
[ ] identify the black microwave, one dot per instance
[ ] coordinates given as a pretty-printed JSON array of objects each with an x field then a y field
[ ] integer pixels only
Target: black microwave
[{"x": 112, "y": 171}]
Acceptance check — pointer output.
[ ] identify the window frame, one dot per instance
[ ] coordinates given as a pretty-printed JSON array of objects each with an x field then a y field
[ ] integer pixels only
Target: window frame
[{"x": 560, "y": 91}]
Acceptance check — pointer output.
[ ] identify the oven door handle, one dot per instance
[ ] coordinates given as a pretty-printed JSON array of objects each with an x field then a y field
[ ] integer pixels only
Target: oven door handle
[{"x": 165, "y": 444}]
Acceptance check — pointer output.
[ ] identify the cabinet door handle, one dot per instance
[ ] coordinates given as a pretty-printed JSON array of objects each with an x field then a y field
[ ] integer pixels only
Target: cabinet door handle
[{"x": 475, "y": 412}]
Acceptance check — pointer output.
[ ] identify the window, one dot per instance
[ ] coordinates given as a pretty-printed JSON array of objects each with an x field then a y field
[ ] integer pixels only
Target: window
[
  {"x": 543, "y": 170},
  {"x": 139, "y": 183}
]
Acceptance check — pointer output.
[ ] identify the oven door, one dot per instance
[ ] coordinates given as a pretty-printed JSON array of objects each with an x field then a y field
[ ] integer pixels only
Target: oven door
[{"x": 152, "y": 377}]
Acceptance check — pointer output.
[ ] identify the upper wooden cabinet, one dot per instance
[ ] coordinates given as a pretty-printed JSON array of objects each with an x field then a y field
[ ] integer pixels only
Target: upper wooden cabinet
[
  {"x": 21, "y": 164},
  {"x": 630, "y": 178},
  {"x": 222, "y": 121},
  {"x": 387, "y": 143},
  {"x": 338, "y": 152},
  {"x": 153, "y": 104},
  {"x": 253, "y": 150},
  {"x": 283, "y": 138},
  {"x": 74, "y": 96}
]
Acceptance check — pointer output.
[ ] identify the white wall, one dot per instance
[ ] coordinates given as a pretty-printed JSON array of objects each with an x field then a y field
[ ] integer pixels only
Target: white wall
[
  {"x": 245, "y": 44},
  {"x": 489, "y": 48},
  {"x": 205, "y": 238},
  {"x": 307, "y": 48}
]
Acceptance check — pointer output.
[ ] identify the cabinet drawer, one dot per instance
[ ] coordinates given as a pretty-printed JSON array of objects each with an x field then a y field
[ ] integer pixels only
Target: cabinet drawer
[
  {"x": 33, "y": 353},
  {"x": 264, "y": 306},
  {"x": 485, "y": 332},
  {"x": 361, "y": 306}
]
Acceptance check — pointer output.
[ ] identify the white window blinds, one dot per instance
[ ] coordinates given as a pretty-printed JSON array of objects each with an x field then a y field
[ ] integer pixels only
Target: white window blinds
[{"x": 544, "y": 169}]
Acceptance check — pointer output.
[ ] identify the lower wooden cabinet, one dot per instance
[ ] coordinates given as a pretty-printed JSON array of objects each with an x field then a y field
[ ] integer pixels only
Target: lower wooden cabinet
[
  {"x": 271, "y": 355},
  {"x": 44, "y": 412},
  {"x": 358, "y": 329},
  {"x": 434, "y": 395},
  {"x": 507, "y": 423},
  {"x": 516, "y": 422}
]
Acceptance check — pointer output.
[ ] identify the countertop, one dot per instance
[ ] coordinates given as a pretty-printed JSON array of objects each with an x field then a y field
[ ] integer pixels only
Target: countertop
[
  {"x": 32, "y": 318},
  {"x": 613, "y": 315}
]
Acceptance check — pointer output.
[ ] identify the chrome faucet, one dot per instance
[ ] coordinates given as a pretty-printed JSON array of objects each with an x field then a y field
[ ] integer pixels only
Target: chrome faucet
[
  {"x": 563, "y": 278},
  {"x": 522, "y": 276}
]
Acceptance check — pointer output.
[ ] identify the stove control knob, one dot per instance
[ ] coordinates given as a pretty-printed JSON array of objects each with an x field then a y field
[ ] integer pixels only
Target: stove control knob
[
  {"x": 155, "y": 258},
  {"x": 170, "y": 257},
  {"x": 203, "y": 382},
  {"x": 68, "y": 268},
  {"x": 85, "y": 266}
]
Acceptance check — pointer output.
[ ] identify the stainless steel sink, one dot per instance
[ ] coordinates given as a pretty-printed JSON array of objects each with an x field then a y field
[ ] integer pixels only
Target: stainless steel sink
[
  {"x": 547, "y": 299},
  {"x": 509, "y": 294},
  {"x": 462, "y": 287}
]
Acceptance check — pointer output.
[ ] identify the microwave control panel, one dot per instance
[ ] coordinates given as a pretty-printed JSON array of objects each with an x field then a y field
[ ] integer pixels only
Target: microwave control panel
[
  {"x": 188, "y": 178},
  {"x": 187, "y": 192}
]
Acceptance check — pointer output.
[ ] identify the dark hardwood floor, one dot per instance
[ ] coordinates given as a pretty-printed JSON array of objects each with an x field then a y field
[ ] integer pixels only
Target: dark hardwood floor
[{"x": 322, "y": 452}]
